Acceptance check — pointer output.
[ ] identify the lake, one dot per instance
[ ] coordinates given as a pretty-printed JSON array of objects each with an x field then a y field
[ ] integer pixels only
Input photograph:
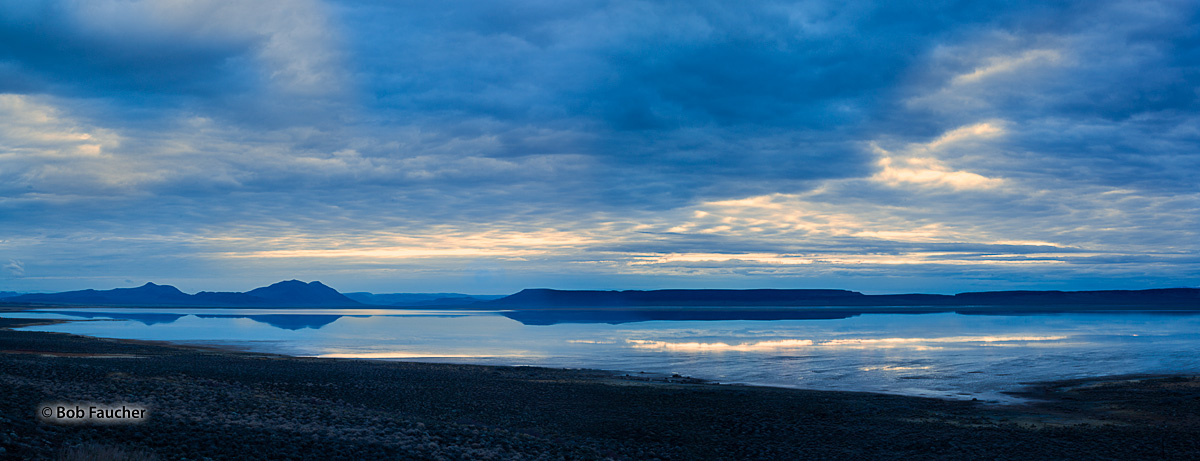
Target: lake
[{"x": 945, "y": 355}]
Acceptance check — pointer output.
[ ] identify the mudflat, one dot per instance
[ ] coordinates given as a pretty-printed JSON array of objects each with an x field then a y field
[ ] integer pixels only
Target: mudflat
[{"x": 205, "y": 403}]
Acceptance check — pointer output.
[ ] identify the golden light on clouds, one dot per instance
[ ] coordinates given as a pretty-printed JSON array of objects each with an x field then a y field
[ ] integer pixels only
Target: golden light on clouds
[
  {"x": 919, "y": 164},
  {"x": 377, "y": 246},
  {"x": 382, "y": 253},
  {"x": 35, "y": 128},
  {"x": 767, "y": 258},
  {"x": 1005, "y": 64}
]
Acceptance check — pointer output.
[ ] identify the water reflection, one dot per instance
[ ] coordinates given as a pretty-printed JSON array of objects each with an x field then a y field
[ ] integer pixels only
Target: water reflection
[
  {"x": 291, "y": 320},
  {"x": 619, "y": 316},
  {"x": 849, "y": 343},
  {"x": 946, "y": 354},
  {"x": 145, "y": 319},
  {"x": 283, "y": 321}
]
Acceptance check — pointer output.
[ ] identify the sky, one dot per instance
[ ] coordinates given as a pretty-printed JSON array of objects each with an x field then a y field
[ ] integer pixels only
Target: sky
[{"x": 488, "y": 146}]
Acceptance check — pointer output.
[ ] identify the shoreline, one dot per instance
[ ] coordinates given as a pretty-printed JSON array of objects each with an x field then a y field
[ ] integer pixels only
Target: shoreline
[
  {"x": 220, "y": 403},
  {"x": 653, "y": 377},
  {"x": 1018, "y": 394}
]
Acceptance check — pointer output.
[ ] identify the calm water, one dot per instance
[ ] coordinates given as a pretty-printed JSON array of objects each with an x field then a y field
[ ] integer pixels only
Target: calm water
[{"x": 943, "y": 355}]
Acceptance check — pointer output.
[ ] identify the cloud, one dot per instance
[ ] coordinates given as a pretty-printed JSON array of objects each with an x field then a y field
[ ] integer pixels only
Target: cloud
[
  {"x": 254, "y": 62},
  {"x": 1006, "y": 64},
  {"x": 15, "y": 268},
  {"x": 46, "y": 154},
  {"x": 637, "y": 144},
  {"x": 920, "y": 164}
]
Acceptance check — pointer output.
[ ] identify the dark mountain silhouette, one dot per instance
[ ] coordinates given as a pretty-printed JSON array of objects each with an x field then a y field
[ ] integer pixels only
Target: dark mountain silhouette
[
  {"x": 546, "y": 297},
  {"x": 1157, "y": 297},
  {"x": 451, "y": 301},
  {"x": 419, "y": 299},
  {"x": 1186, "y": 298},
  {"x": 292, "y": 293},
  {"x": 297, "y": 293},
  {"x": 615, "y": 316},
  {"x": 548, "y": 307},
  {"x": 226, "y": 298},
  {"x": 148, "y": 294}
]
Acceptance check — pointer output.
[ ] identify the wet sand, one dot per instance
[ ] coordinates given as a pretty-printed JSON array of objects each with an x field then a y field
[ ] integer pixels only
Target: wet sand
[{"x": 230, "y": 405}]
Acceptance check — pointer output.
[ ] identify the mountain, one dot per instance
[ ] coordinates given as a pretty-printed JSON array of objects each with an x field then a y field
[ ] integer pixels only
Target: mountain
[
  {"x": 547, "y": 297},
  {"x": 419, "y": 299},
  {"x": 297, "y": 293},
  {"x": 1188, "y": 298},
  {"x": 291, "y": 293},
  {"x": 148, "y": 294},
  {"x": 1157, "y": 297},
  {"x": 294, "y": 293}
]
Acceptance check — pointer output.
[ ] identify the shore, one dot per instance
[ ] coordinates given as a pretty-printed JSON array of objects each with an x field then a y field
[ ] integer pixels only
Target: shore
[{"x": 228, "y": 405}]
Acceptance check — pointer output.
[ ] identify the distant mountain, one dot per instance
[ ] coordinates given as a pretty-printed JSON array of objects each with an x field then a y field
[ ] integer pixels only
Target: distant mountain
[
  {"x": 545, "y": 298},
  {"x": 8, "y": 294},
  {"x": 148, "y": 294},
  {"x": 291, "y": 293},
  {"x": 471, "y": 300},
  {"x": 294, "y": 293},
  {"x": 419, "y": 299},
  {"x": 1157, "y": 297},
  {"x": 297, "y": 293}
]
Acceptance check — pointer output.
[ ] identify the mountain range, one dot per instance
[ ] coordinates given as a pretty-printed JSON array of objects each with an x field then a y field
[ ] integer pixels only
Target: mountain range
[
  {"x": 294, "y": 293},
  {"x": 291, "y": 293},
  {"x": 418, "y": 299},
  {"x": 547, "y": 298}
]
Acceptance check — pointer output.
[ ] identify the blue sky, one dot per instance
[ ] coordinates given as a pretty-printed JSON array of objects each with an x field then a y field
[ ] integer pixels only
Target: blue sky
[{"x": 489, "y": 146}]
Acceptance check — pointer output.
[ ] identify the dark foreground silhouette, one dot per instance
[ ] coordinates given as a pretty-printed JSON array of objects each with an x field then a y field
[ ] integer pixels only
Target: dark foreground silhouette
[
  {"x": 229, "y": 405},
  {"x": 1165, "y": 298},
  {"x": 294, "y": 293},
  {"x": 290, "y": 293}
]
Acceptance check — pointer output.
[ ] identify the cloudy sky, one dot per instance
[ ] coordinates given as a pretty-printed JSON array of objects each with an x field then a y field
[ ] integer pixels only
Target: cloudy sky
[{"x": 489, "y": 146}]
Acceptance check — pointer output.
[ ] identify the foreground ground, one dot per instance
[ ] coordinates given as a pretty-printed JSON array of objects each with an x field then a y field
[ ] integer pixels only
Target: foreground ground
[{"x": 216, "y": 404}]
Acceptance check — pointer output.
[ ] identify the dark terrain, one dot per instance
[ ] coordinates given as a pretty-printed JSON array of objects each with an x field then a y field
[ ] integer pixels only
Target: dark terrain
[
  {"x": 294, "y": 293},
  {"x": 1020, "y": 301},
  {"x": 289, "y": 293},
  {"x": 230, "y": 405}
]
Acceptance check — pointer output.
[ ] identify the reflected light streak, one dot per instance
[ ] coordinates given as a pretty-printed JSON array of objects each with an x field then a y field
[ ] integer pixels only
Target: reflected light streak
[
  {"x": 879, "y": 343},
  {"x": 696, "y": 346},
  {"x": 415, "y": 355},
  {"x": 948, "y": 339},
  {"x": 389, "y": 355},
  {"x": 895, "y": 368}
]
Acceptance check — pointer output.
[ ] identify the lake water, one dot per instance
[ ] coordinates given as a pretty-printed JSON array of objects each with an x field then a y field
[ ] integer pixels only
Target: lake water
[{"x": 942, "y": 355}]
